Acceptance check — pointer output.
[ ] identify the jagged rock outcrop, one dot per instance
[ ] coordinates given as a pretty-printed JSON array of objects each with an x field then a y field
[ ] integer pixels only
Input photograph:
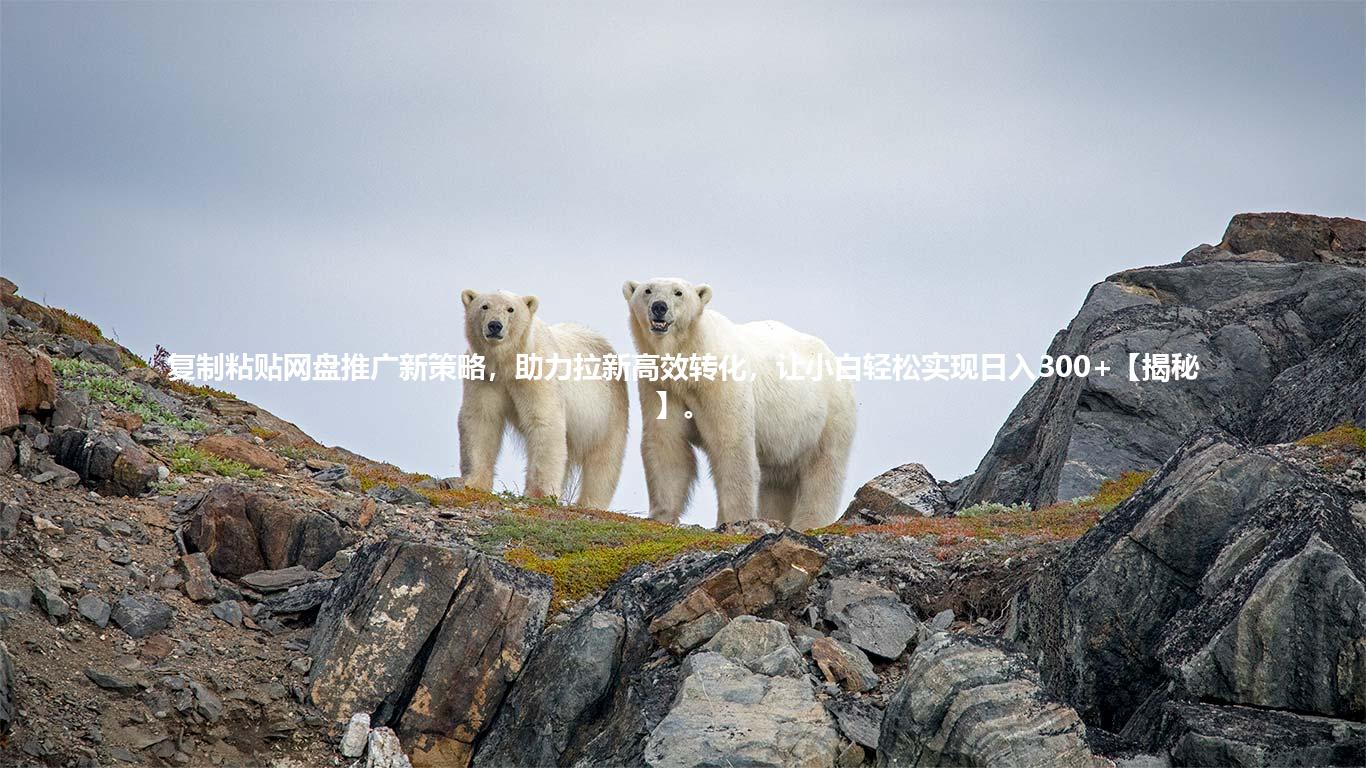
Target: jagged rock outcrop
[
  {"x": 242, "y": 532},
  {"x": 1210, "y": 734},
  {"x": 905, "y": 491},
  {"x": 109, "y": 462},
  {"x": 969, "y": 703},
  {"x": 1278, "y": 346},
  {"x": 594, "y": 691},
  {"x": 427, "y": 640},
  {"x": 1233, "y": 577}
]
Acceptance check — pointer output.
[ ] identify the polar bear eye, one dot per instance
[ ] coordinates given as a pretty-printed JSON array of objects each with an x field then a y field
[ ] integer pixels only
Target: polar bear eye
[
  {"x": 509, "y": 310},
  {"x": 678, "y": 293},
  {"x": 647, "y": 291},
  {"x": 485, "y": 307}
]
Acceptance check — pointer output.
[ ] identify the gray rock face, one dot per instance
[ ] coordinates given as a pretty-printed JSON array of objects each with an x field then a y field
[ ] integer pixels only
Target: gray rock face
[
  {"x": 875, "y": 618},
  {"x": 427, "y": 639},
  {"x": 759, "y": 645},
  {"x": 907, "y": 490},
  {"x": 1232, "y": 577},
  {"x": 1273, "y": 362},
  {"x": 94, "y": 609},
  {"x": 8, "y": 712},
  {"x": 967, "y": 703},
  {"x": 725, "y": 714},
  {"x": 1209, "y": 734},
  {"x": 141, "y": 615},
  {"x": 111, "y": 463},
  {"x": 280, "y": 579}
]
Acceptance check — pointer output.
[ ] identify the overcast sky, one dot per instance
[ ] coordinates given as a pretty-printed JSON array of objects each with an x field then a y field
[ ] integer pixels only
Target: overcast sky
[{"x": 310, "y": 177}]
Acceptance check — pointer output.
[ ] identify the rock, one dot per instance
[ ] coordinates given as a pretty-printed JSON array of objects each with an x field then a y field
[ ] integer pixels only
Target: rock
[
  {"x": 7, "y": 452},
  {"x": 281, "y": 579},
  {"x": 449, "y": 630},
  {"x": 300, "y": 599},
  {"x": 442, "y": 483},
  {"x": 48, "y": 592},
  {"x": 357, "y": 735},
  {"x": 942, "y": 620},
  {"x": 1232, "y": 577},
  {"x": 199, "y": 583},
  {"x": 7, "y": 287},
  {"x": 106, "y": 354},
  {"x": 112, "y": 682},
  {"x": 875, "y": 618},
  {"x": 94, "y": 609},
  {"x": 236, "y": 449},
  {"x": 844, "y": 664},
  {"x": 112, "y": 464},
  {"x": 141, "y": 615},
  {"x": 761, "y": 646},
  {"x": 398, "y": 494},
  {"x": 384, "y": 750},
  {"x": 242, "y": 532},
  {"x": 1298, "y": 237},
  {"x": 726, "y": 715},
  {"x": 905, "y": 491},
  {"x": 128, "y": 422},
  {"x": 968, "y": 703},
  {"x": 302, "y": 665},
  {"x": 229, "y": 611},
  {"x": 771, "y": 571},
  {"x": 851, "y": 756},
  {"x": 1208, "y": 734},
  {"x": 858, "y": 720},
  {"x": 9, "y": 520},
  {"x": 569, "y": 675},
  {"x": 15, "y": 593},
  {"x": 8, "y": 712},
  {"x": 1249, "y": 324},
  {"x": 206, "y": 703},
  {"x": 32, "y": 381}
]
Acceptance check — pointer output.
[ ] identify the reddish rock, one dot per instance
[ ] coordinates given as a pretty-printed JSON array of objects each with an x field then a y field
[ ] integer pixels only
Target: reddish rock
[
  {"x": 237, "y": 449},
  {"x": 128, "y": 422},
  {"x": 199, "y": 584},
  {"x": 32, "y": 381},
  {"x": 241, "y": 532}
]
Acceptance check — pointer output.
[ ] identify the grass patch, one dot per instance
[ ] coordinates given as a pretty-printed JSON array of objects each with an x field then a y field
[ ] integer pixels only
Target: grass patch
[
  {"x": 584, "y": 551},
  {"x": 1112, "y": 493},
  {"x": 103, "y": 385},
  {"x": 78, "y": 327},
  {"x": 197, "y": 390},
  {"x": 186, "y": 459},
  {"x": 1342, "y": 436}
]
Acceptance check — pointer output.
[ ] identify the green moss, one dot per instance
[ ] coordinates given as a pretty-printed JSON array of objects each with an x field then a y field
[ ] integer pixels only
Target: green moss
[
  {"x": 1345, "y": 435},
  {"x": 103, "y": 385},
  {"x": 1112, "y": 493},
  {"x": 186, "y": 459},
  {"x": 584, "y": 555}
]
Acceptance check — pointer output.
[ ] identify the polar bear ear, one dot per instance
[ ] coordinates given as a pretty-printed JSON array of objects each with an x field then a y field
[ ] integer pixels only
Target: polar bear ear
[
  {"x": 628, "y": 289},
  {"x": 704, "y": 293},
  {"x": 468, "y": 295},
  {"x": 532, "y": 303}
]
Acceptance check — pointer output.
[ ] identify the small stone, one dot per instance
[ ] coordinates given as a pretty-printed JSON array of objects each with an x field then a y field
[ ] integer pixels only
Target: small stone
[
  {"x": 357, "y": 735},
  {"x": 844, "y": 664},
  {"x": 111, "y": 682},
  {"x": 301, "y": 664},
  {"x": 49, "y": 595},
  {"x": 15, "y": 594},
  {"x": 384, "y": 750},
  {"x": 200, "y": 584},
  {"x": 229, "y": 611},
  {"x": 942, "y": 620},
  {"x": 94, "y": 609},
  {"x": 141, "y": 615},
  {"x": 43, "y": 524},
  {"x": 281, "y": 579}
]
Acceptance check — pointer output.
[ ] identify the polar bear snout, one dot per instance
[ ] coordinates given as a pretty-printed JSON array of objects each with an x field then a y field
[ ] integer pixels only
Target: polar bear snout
[{"x": 494, "y": 331}]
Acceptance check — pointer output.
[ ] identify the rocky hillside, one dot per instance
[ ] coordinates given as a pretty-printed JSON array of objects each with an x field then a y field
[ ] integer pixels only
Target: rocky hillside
[{"x": 187, "y": 579}]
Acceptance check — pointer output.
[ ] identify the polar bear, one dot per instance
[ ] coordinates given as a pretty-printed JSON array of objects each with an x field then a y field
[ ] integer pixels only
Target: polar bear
[
  {"x": 576, "y": 423},
  {"x": 778, "y": 443}
]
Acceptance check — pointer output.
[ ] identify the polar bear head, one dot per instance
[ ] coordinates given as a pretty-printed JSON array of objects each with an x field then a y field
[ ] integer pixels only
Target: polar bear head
[
  {"x": 496, "y": 319},
  {"x": 665, "y": 306}
]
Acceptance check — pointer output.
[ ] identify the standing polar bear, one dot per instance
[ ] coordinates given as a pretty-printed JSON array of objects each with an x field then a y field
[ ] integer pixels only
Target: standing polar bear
[
  {"x": 777, "y": 444},
  {"x": 566, "y": 424}
]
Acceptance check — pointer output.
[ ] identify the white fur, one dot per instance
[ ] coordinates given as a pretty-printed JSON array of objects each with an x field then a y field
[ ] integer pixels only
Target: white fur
[
  {"x": 778, "y": 448},
  {"x": 565, "y": 424}
]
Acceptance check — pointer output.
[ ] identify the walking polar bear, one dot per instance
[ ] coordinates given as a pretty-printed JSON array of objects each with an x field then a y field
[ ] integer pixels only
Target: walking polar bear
[
  {"x": 778, "y": 447},
  {"x": 565, "y": 424}
]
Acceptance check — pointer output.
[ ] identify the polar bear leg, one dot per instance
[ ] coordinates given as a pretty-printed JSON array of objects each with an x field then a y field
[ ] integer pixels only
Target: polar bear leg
[
  {"x": 776, "y": 500},
  {"x": 821, "y": 480},
  {"x": 483, "y": 414},
  {"x": 601, "y": 471},
  {"x": 670, "y": 463},
  {"x": 727, "y": 428},
  {"x": 547, "y": 449}
]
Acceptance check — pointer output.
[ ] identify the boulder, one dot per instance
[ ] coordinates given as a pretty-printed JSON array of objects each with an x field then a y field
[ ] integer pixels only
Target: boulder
[
  {"x": 110, "y": 463},
  {"x": 905, "y": 491},
  {"x": 94, "y": 609},
  {"x": 966, "y": 702},
  {"x": 356, "y": 735},
  {"x": 761, "y": 646},
  {"x": 236, "y": 449},
  {"x": 843, "y": 664},
  {"x": 383, "y": 750},
  {"x": 427, "y": 639},
  {"x": 141, "y": 615},
  {"x": 32, "y": 382},
  {"x": 1250, "y": 324},
  {"x": 299, "y": 599},
  {"x": 242, "y": 532},
  {"x": 199, "y": 584},
  {"x": 1234, "y": 576},
  {"x": 725, "y": 714},
  {"x": 1298, "y": 237},
  {"x": 875, "y": 618},
  {"x": 1211, "y": 734},
  {"x": 47, "y": 591},
  {"x": 768, "y": 573},
  {"x": 281, "y": 579}
]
